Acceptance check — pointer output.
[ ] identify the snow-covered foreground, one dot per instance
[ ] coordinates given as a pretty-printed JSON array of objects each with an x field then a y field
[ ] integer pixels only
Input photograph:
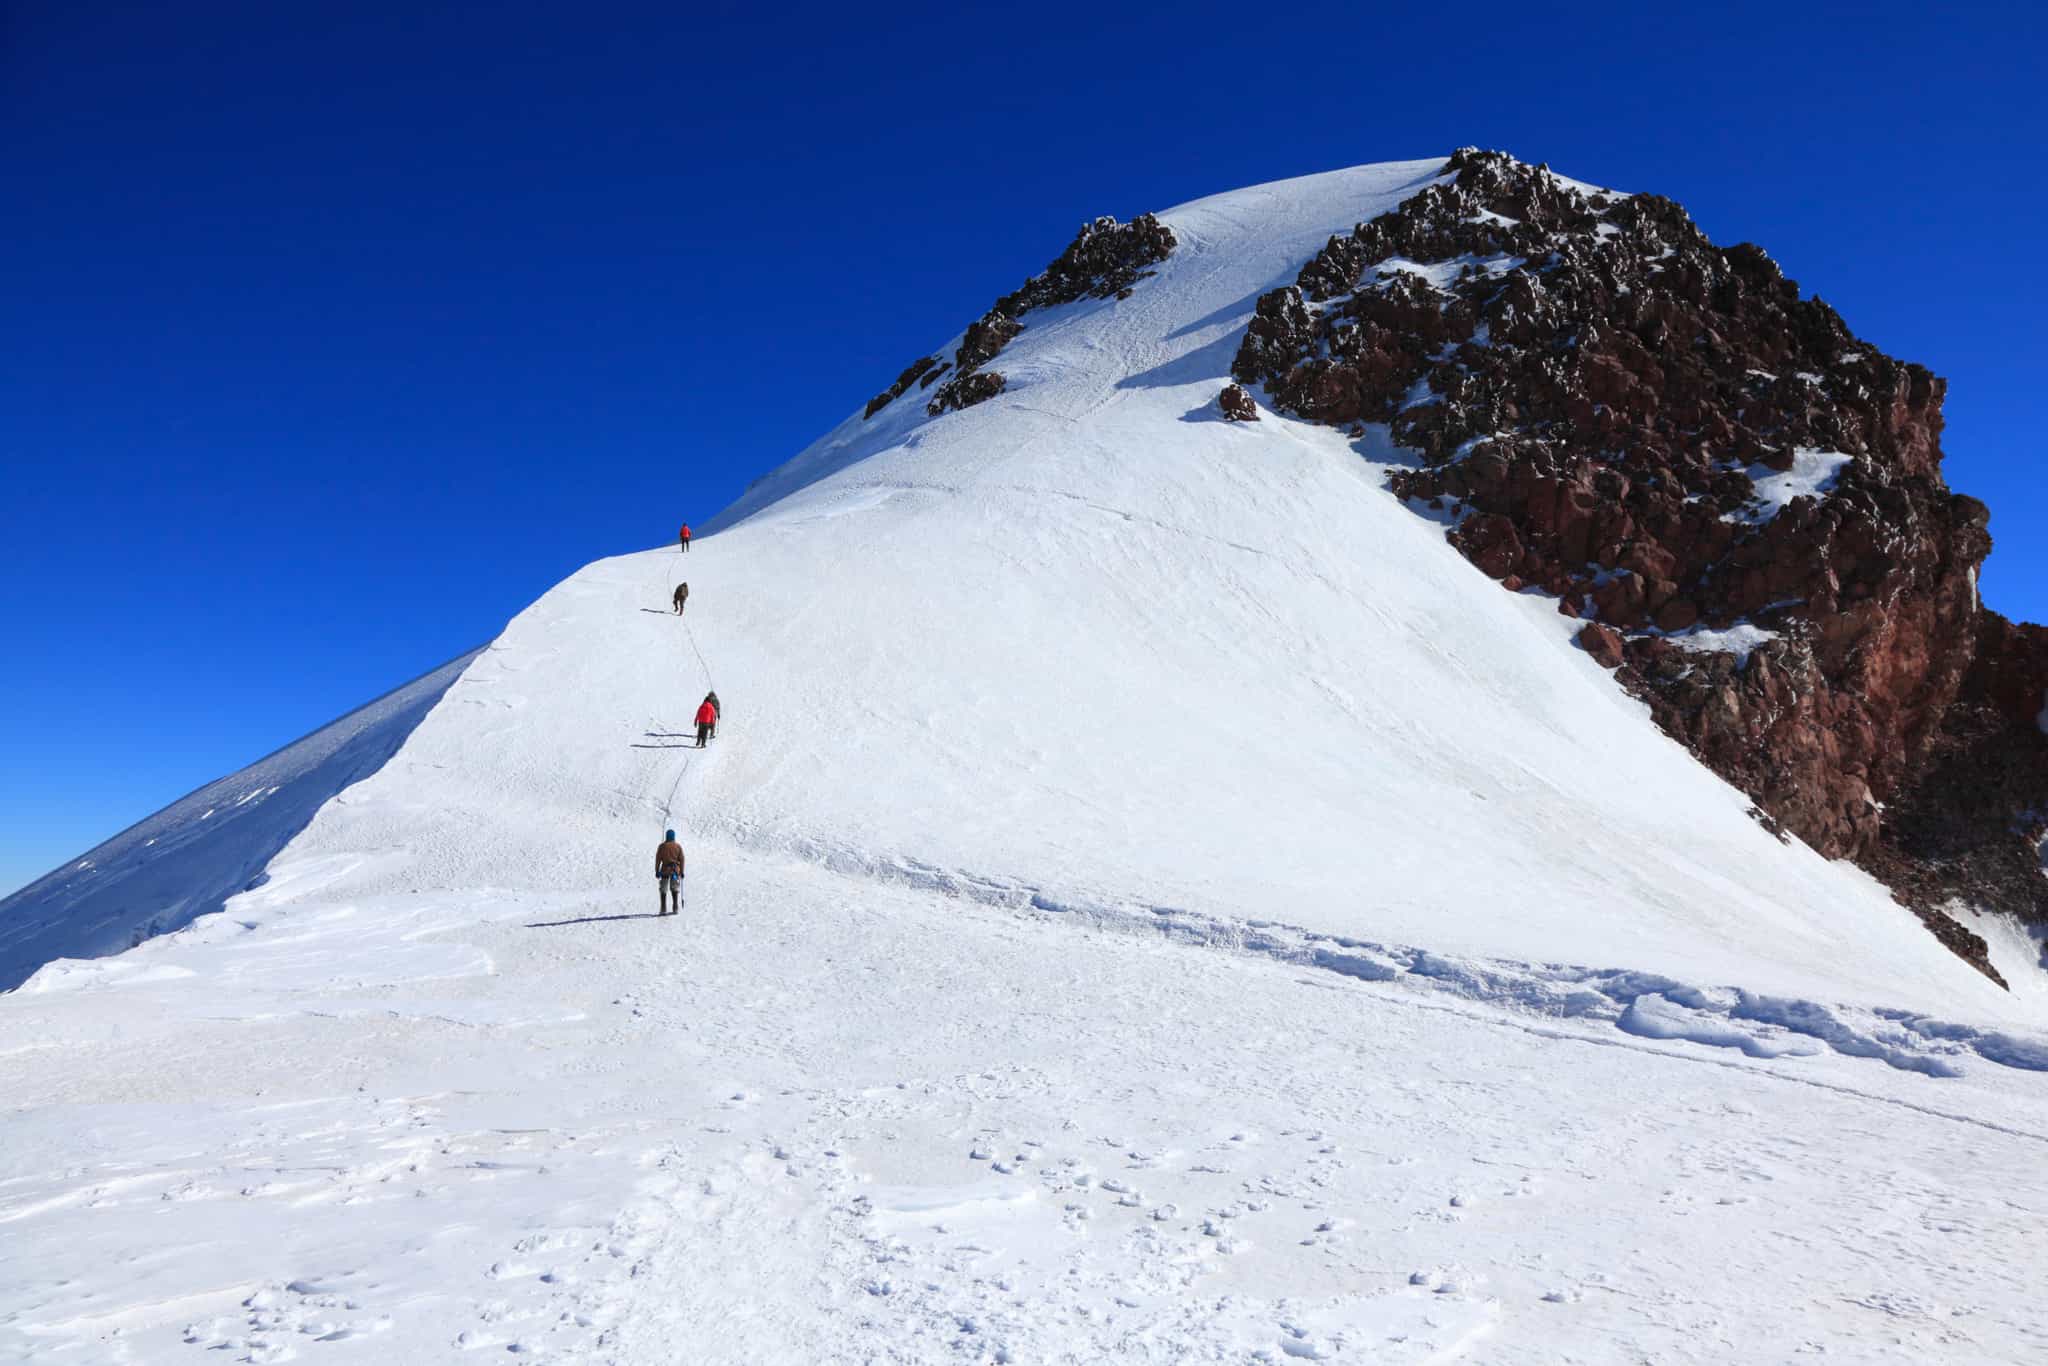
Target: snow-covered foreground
[
  {"x": 819, "y": 1120},
  {"x": 1151, "y": 900}
]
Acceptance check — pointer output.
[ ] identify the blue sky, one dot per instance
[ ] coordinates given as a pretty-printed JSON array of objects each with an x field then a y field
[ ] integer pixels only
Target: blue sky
[{"x": 333, "y": 334}]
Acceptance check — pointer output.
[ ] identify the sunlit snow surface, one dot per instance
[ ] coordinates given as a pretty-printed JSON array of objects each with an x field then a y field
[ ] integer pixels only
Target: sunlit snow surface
[{"x": 1150, "y": 900}]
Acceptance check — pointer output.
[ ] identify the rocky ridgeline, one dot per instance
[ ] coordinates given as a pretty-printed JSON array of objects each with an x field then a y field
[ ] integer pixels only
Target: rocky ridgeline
[
  {"x": 1105, "y": 260},
  {"x": 1743, "y": 501}
]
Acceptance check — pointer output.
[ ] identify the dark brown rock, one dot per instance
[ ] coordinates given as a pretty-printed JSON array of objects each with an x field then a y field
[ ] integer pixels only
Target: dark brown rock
[
  {"x": 1679, "y": 614},
  {"x": 921, "y": 366},
  {"x": 965, "y": 390},
  {"x": 1237, "y": 405},
  {"x": 985, "y": 339},
  {"x": 1105, "y": 260},
  {"x": 1601, "y": 642},
  {"x": 1489, "y": 541}
]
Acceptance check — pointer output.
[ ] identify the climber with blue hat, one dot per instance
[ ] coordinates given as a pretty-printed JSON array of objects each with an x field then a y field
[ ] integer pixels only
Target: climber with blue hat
[{"x": 668, "y": 874}]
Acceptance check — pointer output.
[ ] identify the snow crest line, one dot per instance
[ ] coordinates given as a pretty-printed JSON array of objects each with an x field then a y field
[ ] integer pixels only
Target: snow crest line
[{"x": 1647, "y": 1006}]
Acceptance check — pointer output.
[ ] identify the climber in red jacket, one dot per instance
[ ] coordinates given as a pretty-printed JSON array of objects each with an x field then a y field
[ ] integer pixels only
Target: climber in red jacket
[
  {"x": 683, "y": 537},
  {"x": 707, "y": 717}
]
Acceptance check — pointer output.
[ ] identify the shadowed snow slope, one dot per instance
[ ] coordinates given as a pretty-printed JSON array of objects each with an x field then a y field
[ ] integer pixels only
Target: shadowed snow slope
[
  {"x": 189, "y": 858},
  {"x": 1127, "y": 834}
]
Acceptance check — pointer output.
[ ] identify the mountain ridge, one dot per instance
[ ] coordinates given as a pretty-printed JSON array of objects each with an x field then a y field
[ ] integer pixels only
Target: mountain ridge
[{"x": 1150, "y": 898}]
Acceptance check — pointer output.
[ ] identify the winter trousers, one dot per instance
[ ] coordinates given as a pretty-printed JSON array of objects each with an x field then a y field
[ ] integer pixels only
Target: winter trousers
[
  {"x": 703, "y": 733},
  {"x": 671, "y": 894}
]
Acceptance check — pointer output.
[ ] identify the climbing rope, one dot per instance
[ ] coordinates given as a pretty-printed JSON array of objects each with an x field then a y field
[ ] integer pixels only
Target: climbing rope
[{"x": 710, "y": 684}]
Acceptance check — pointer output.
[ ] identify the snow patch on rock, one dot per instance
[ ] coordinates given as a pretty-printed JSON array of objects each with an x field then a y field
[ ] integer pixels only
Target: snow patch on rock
[
  {"x": 1739, "y": 640},
  {"x": 1813, "y": 475}
]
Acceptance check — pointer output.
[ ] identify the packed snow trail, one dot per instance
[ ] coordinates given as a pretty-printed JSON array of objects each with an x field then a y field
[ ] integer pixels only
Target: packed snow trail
[{"x": 1172, "y": 908}]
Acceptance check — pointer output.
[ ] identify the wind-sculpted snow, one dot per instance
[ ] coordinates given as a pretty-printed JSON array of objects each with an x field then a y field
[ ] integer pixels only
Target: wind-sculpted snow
[
  {"x": 1646, "y": 1005},
  {"x": 188, "y": 859}
]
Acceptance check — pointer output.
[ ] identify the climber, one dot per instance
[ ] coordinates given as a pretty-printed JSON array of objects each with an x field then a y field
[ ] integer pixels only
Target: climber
[
  {"x": 684, "y": 537},
  {"x": 682, "y": 595},
  {"x": 707, "y": 717},
  {"x": 668, "y": 874},
  {"x": 716, "y": 711}
]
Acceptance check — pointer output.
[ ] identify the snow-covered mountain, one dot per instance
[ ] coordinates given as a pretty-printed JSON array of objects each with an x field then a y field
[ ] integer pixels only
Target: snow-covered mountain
[{"x": 1151, "y": 899}]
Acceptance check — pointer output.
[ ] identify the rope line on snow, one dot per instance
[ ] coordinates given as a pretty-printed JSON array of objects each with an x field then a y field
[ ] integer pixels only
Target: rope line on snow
[
  {"x": 668, "y": 807},
  {"x": 710, "y": 684}
]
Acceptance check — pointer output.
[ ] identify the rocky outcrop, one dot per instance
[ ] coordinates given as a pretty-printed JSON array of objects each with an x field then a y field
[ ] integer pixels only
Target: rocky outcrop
[
  {"x": 915, "y": 371},
  {"x": 966, "y": 390},
  {"x": 1743, "y": 499},
  {"x": 1237, "y": 404},
  {"x": 1969, "y": 824},
  {"x": 985, "y": 339},
  {"x": 1105, "y": 260},
  {"x": 1601, "y": 642}
]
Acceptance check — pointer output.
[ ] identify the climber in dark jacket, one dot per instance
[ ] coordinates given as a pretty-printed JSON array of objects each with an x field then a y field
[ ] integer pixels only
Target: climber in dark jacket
[
  {"x": 681, "y": 596},
  {"x": 668, "y": 874},
  {"x": 716, "y": 711}
]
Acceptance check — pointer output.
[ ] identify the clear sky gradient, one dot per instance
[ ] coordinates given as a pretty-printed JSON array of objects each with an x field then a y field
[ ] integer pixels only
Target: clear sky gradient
[{"x": 333, "y": 334}]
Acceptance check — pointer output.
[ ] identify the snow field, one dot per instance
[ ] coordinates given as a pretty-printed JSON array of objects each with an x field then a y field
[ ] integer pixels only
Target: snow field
[{"x": 822, "y": 1120}]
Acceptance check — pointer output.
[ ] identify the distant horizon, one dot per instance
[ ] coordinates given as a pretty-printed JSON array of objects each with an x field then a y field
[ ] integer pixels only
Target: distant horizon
[{"x": 341, "y": 334}]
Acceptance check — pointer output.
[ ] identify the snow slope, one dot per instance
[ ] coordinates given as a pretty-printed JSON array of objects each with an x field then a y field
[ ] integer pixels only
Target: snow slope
[
  {"x": 1151, "y": 900},
  {"x": 189, "y": 858}
]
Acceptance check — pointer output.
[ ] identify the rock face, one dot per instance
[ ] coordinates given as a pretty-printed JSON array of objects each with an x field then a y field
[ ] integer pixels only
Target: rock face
[
  {"x": 1237, "y": 404},
  {"x": 1603, "y": 643},
  {"x": 964, "y": 392},
  {"x": 1739, "y": 495}
]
